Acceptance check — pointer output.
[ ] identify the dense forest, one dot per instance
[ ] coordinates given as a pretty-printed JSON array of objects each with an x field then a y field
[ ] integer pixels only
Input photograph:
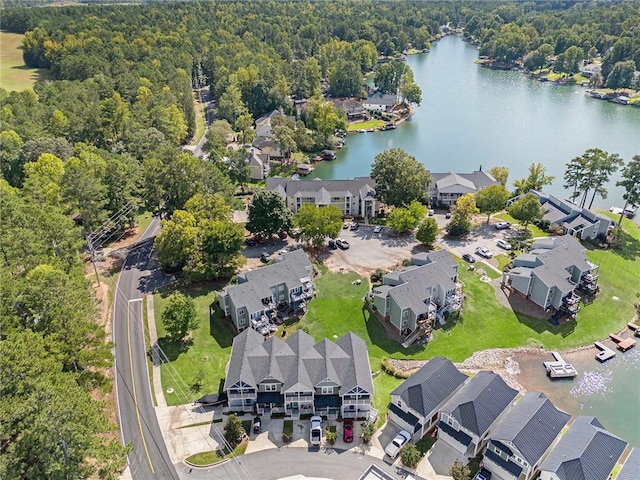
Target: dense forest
[{"x": 104, "y": 137}]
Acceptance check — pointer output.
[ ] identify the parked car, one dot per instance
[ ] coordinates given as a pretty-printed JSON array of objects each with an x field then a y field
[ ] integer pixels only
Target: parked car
[
  {"x": 283, "y": 235},
  {"x": 431, "y": 212},
  {"x": 265, "y": 257},
  {"x": 447, "y": 215},
  {"x": 503, "y": 244},
  {"x": 503, "y": 226},
  {"x": 315, "y": 436},
  {"x": 354, "y": 226},
  {"x": 345, "y": 225},
  {"x": 347, "y": 430},
  {"x": 332, "y": 244},
  {"x": 395, "y": 445},
  {"x": 377, "y": 229},
  {"x": 342, "y": 243},
  {"x": 483, "y": 474},
  {"x": 467, "y": 257},
  {"x": 484, "y": 252},
  {"x": 251, "y": 242}
]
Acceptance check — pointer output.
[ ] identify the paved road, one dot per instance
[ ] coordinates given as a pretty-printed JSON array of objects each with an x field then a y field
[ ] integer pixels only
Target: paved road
[
  {"x": 149, "y": 458},
  {"x": 285, "y": 462}
]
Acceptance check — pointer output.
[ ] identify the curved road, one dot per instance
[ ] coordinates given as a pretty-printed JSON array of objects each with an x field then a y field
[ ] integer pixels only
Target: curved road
[{"x": 148, "y": 458}]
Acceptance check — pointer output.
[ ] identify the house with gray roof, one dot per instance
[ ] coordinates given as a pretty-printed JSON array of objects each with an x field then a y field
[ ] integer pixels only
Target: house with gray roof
[
  {"x": 381, "y": 102},
  {"x": 631, "y": 467},
  {"x": 354, "y": 197},
  {"x": 575, "y": 221},
  {"x": 467, "y": 420},
  {"x": 416, "y": 402},
  {"x": 524, "y": 437},
  {"x": 298, "y": 376},
  {"x": 586, "y": 452},
  {"x": 413, "y": 298},
  {"x": 446, "y": 188},
  {"x": 259, "y": 166},
  {"x": 551, "y": 272},
  {"x": 259, "y": 294},
  {"x": 263, "y": 124}
]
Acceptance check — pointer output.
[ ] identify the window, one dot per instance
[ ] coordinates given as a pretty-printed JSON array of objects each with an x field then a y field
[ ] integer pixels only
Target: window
[
  {"x": 400, "y": 403},
  {"x": 270, "y": 387},
  {"x": 326, "y": 390}
]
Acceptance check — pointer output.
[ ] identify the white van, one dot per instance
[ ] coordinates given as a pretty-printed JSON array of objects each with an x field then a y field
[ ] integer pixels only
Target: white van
[{"x": 503, "y": 244}]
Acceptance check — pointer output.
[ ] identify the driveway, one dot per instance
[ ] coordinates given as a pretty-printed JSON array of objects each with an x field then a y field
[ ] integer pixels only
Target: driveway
[{"x": 442, "y": 456}]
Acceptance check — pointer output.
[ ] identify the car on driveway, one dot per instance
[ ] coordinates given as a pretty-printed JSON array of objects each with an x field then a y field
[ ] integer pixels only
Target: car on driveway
[
  {"x": 345, "y": 225},
  {"x": 484, "y": 252},
  {"x": 265, "y": 257},
  {"x": 467, "y": 257},
  {"x": 483, "y": 474},
  {"x": 377, "y": 229},
  {"x": 251, "y": 242},
  {"x": 447, "y": 215},
  {"x": 347, "y": 430},
  {"x": 315, "y": 436},
  {"x": 332, "y": 244},
  {"x": 503, "y": 226},
  {"x": 503, "y": 244},
  {"x": 354, "y": 226},
  {"x": 394, "y": 446},
  {"x": 431, "y": 212}
]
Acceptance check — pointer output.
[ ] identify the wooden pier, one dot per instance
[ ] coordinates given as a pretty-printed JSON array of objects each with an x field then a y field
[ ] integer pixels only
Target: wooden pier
[
  {"x": 635, "y": 328},
  {"x": 623, "y": 344},
  {"x": 605, "y": 352}
]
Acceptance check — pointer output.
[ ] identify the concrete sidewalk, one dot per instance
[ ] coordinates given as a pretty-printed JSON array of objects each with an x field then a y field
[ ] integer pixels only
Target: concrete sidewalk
[{"x": 154, "y": 350}]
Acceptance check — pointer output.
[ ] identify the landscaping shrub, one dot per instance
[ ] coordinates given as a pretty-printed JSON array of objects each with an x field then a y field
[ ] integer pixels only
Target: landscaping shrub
[
  {"x": 233, "y": 430},
  {"x": 555, "y": 229},
  {"x": 368, "y": 429},
  {"x": 287, "y": 431},
  {"x": 330, "y": 435},
  {"x": 377, "y": 275},
  {"x": 388, "y": 369},
  {"x": 410, "y": 455}
]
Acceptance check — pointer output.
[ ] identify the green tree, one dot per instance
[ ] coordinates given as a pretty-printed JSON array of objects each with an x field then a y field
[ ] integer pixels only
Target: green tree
[
  {"x": 462, "y": 217},
  {"x": 460, "y": 471},
  {"x": 178, "y": 240},
  {"x": 230, "y": 105},
  {"x": 233, "y": 430},
  {"x": 84, "y": 191},
  {"x": 51, "y": 426},
  {"x": 401, "y": 220},
  {"x": 58, "y": 123},
  {"x": 631, "y": 182},
  {"x": 427, "y": 231},
  {"x": 318, "y": 223},
  {"x": 492, "y": 199},
  {"x": 501, "y": 174},
  {"x": 621, "y": 75},
  {"x": 410, "y": 455},
  {"x": 10, "y": 164},
  {"x": 43, "y": 179},
  {"x": 399, "y": 177},
  {"x": 367, "y": 431},
  {"x": 526, "y": 209},
  {"x": 239, "y": 167},
  {"x": 179, "y": 317},
  {"x": 409, "y": 89},
  {"x": 324, "y": 118},
  {"x": 589, "y": 172},
  {"x": 537, "y": 179},
  {"x": 268, "y": 214},
  {"x": 219, "y": 135},
  {"x": 345, "y": 79},
  {"x": 218, "y": 255}
]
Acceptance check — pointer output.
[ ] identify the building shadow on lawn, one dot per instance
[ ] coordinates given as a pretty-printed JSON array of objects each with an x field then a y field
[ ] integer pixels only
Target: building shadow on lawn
[
  {"x": 626, "y": 247},
  {"x": 220, "y": 328},
  {"x": 540, "y": 325},
  {"x": 384, "y": 339}
]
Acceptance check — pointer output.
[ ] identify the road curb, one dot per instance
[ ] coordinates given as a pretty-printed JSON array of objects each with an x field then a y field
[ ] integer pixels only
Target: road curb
[{"x": 153, "y": 340}]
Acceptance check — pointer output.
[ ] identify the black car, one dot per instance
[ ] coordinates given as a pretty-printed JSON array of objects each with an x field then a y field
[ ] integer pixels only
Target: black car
[
  {"x": 265, "y": 257},
  {"x": 447, "y": 215},
  {"x": 483, "y": 474},
  {"x": 355, "y": 226},
  {"x": 251, "y": 242},
  {"x": 332, "y": 244},
  {"x": 467, "y": 257}
]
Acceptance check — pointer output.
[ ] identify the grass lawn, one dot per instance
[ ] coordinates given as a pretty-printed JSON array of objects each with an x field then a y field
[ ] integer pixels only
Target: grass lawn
[
  {"x": 14, "y": 74},
  {"x": 535, "y": 231},
  {"x": 208, "y": 350},
  {"x": 503, "y": 260},
  {"x": 200, "y": 120},
  {"x": 143, "y": 220},
  {"x": 210, "y": 458},
  {"x": 375, "y": 123}
]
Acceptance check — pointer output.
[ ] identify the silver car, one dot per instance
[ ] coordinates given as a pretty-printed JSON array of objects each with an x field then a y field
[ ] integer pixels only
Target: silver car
[{"x": 395, "y": 445}]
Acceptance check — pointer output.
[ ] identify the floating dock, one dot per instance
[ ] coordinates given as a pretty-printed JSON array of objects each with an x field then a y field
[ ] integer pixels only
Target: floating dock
[
  {"x": 605, "y": 352},
  {"x": 635, "y": 328},
  {"x": 623, "y": 344},
  {"x": 559, "y": 368}
]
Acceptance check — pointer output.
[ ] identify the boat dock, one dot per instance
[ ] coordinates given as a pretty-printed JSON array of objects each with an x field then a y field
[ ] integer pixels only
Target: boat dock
[
  {"x": 605, "y": 352},
  {"x": 635, "y": 328},
  {"x": 623, "y": 344},
  {"x": 559, "y": 368}
]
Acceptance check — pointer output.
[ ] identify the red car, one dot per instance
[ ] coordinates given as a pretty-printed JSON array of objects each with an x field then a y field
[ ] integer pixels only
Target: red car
[{"x": 347, "y": 430}]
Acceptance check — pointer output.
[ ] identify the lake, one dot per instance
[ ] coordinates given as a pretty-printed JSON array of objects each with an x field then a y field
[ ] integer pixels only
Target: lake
[{"x": 473, "y": 117}]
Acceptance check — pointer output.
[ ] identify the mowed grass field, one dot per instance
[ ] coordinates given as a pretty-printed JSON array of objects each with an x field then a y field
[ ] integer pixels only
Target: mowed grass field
[{"x": 14, "y": 74}]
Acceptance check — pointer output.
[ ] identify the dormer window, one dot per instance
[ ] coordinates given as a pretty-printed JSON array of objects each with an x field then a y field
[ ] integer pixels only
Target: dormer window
[{"x": 270, "y": 387}]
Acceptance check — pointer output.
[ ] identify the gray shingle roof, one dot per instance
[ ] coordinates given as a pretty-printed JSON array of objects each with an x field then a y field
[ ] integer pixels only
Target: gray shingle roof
[
  {"x": 586, "y": 452},
  {"x": 428, "y": 388},
  {"x": 299, "y": 363},
  {"x": 474, "y": 180},
  {"x": 631, "y": 468},
  {"x": 293, "y": 186},
  {"x": 480, "y": 402},
  {"x": 532, "y": 426}
]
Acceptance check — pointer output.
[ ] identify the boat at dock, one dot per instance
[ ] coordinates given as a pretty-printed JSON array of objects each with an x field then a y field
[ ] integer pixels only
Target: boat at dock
[
  {"x": 559, "y": 368},
  {"x": 635, "y": 328},
  {"x": 605, "y": 352}
]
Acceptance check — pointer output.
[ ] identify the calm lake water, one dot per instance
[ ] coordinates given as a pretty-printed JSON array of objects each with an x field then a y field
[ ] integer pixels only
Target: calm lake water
[{"x": 472, "y": 116}]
